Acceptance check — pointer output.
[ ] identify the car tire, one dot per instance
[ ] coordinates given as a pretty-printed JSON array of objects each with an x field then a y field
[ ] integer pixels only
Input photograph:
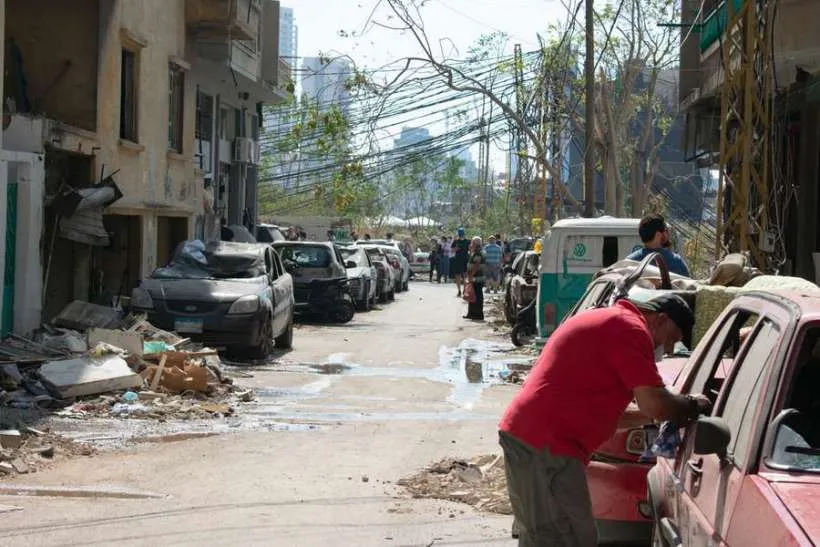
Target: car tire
[
  {"x": 508, "y": 314},
  {"x": 345, "y": 312},
  {"x": 265, "y": 345},
  {"x": 285, "y": 340},
  {"x": 391, "y": 295},
  {"x": 406, "y": 286},
  {"x": 383, "y": 296},
  {"x": 364, "y": 304}
]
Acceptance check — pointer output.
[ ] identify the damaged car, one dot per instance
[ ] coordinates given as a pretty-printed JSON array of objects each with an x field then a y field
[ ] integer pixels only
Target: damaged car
[
  {"x": 362, "y": 275},
  {"x": 228, "y": 295},
  {"x": 320, "y": 278}
]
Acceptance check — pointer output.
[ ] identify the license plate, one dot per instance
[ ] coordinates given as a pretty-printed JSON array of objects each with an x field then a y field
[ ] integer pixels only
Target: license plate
[{"x": 190, "y": 326}]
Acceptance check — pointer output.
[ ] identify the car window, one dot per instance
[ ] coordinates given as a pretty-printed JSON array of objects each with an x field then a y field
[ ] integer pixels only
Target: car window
[
  {"x": 356, "y": 256},
  {"x": 743, "y": 393},
  {"x": 797, "y": 439},
  {"x": 269, "y": 267},
  {"x": 306, "y": 256},
  {"x": 518, "y": 264},
  {"x": 531, "y": 265},
  {"x": 717, "y": 363},
  {"x": 277, "y": 265}
]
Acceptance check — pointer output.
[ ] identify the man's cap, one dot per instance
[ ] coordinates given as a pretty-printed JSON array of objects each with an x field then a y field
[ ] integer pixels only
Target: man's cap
[
  {"x": 675, "y": 308},
  {"x": 491, "y": 238}
]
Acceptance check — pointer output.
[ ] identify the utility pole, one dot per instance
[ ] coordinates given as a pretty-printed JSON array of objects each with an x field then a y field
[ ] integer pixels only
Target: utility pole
[{"x": 589, "y": 140}]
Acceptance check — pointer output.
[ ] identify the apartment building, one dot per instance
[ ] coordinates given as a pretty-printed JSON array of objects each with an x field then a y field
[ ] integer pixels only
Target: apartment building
[{"x": 129, "y": 127}]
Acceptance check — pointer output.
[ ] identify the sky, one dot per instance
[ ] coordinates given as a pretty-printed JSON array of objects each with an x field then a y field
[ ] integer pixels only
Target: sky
[{"x": 460, "y": 22}]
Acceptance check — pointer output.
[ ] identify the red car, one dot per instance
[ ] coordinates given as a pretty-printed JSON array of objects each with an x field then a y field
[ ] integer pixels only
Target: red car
[{"x": 749, "y": 474}]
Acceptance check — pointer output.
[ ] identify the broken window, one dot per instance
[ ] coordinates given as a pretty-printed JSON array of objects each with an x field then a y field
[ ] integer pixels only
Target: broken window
[
  {"x": 128, "y": 96},
  {"x": 176, "y": 110}
]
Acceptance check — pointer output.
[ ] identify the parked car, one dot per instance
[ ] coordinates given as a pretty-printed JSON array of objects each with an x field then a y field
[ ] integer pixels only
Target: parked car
[
  {"x": 362, "y": 275},
  {"x": 400, "y": 265},
  {"x": 748, "y": 474},
  {"x": 234, "y": 295},
  {"x": 386, "y": 273},
  {"x": 320, "y": 279},
  {"x": 268, "y": 233},
  {"x": 395, "y": 250},
  {"x": 520, "y": 284},
  {"x": 421, "y": 263},
  {"x": 518, "y": 245}
]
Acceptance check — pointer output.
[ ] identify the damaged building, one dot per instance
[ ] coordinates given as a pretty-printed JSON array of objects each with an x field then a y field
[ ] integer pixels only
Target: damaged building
[{"x": 129, "y": 126}]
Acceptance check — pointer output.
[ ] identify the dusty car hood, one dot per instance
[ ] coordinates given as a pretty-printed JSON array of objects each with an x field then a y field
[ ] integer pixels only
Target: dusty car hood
[
  {"x": 802, "y": 499},
  {"x": 202, "y": 290}
]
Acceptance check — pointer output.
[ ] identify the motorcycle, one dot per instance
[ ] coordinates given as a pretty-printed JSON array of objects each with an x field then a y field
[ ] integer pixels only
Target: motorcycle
[{"x": 525, "y": 328}]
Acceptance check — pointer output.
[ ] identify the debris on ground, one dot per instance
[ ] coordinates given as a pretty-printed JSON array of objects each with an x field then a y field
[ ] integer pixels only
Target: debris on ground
[
  {"x": 479, "y": 482},
  {"x": 34, "y": 450},
  {"x": 91, "y": 362}
]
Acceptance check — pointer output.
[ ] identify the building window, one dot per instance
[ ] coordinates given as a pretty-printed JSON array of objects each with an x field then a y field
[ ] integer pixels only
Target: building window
[
  {"x": 204, "y": 131},
  {"x": 176, "y": 107},
  {"x": 128, "y": 96}
]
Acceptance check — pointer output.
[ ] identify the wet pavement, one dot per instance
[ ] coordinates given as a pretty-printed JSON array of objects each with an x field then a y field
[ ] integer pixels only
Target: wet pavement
[
  {"x": 305, "y": 395},
  {"x": 313, "y": 459}
]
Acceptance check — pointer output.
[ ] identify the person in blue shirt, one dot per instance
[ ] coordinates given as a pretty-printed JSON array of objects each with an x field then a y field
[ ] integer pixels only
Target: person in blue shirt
[
  {"x": 493, "y": 254},
  {"x": 655, "y": 236}
]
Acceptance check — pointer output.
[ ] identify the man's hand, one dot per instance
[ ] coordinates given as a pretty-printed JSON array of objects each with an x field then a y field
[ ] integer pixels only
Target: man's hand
[
  {"x": 661, "y": 404},
  {"x": 704, "y": 404}
]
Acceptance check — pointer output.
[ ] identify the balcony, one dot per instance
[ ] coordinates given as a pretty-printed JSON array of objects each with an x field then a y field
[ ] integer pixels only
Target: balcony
[{"x": 224, "y": 19}]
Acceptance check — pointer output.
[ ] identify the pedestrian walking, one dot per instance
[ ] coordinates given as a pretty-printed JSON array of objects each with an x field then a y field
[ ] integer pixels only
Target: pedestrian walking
[
  {"x": 458, "y": 265},
  {"x": 444, "y": 259},
  {"x": 585, "y": 389},
  {"x": 435, "y": 252},
  {"x": 475, "y": 278},
  {"x": 493, "y": 254}
]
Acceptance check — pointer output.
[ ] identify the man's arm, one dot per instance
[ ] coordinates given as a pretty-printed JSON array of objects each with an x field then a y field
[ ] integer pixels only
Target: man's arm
[
  {"x": 661, "y": 404},
  {"x": 633, "y": 418}
]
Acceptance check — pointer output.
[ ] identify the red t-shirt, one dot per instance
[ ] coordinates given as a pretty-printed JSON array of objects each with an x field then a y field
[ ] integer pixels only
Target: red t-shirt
[{"x": 583, "y": 381}]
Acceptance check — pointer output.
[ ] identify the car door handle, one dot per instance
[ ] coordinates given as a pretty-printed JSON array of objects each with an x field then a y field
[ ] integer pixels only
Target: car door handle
[{"x": 696, "y": 466}]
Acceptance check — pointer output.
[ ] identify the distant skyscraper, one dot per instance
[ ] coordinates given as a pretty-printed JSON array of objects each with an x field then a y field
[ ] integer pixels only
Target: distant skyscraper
[
  {"x": 288, "y": 37},
  {"x": 410, "y": 136},
  {"x": 324, "y": 81}
]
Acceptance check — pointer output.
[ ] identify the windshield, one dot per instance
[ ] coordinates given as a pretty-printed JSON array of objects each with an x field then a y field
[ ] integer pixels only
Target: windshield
[
  {"x": 216, "y": 260},
  {"x": 356, "y": 256},
  {"x": 520, "y": 245},
  {"x": 306, "y": 256}
]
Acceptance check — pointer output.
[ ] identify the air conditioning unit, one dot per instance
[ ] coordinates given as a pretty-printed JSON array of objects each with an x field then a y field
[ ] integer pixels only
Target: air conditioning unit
[{"x": 243, "y": 150}]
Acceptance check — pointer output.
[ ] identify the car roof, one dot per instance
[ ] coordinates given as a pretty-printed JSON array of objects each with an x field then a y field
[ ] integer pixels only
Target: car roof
[
  {"x": 600, "y": 222},
  {"x": 302, "y": 244}
]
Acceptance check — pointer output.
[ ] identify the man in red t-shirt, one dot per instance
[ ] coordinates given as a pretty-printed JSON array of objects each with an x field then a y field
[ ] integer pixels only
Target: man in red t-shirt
[{"x": 575, "y": 398}]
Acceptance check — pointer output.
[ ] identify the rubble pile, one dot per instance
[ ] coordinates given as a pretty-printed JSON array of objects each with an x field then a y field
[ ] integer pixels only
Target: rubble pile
[
  {"x": 90, "y": 362},
  {"x": 479, "y": 482},
  {"x": 29, "y": 450}
]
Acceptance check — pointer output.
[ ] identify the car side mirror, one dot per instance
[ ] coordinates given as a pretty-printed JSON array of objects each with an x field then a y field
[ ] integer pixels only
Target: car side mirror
[
  {"x": 350, "y": 264},
  {"x": 712, "y": 436}
]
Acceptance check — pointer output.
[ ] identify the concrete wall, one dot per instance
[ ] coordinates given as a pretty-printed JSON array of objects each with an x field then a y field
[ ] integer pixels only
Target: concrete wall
[{"x": 61, "y": 73}]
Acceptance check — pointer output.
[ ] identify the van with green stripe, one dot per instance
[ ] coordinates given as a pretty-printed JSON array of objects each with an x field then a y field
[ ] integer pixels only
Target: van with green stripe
[{"x": 573, "y": 251}]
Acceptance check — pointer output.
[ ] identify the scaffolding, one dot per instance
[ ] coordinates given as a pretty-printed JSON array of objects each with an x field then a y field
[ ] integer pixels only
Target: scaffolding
[{"x": 745, "y": 141}]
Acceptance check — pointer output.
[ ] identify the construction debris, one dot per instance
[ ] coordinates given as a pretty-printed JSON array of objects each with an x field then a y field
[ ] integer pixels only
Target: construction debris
[
  {"x": 37, "y": 451},
  {"x": 81, "y": 316},
  {"x": 88, "y": 376},
  {"x": 479, "y": 482}
]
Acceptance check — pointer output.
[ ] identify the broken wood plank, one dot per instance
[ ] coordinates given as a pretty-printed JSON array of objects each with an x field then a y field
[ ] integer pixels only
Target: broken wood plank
[{"x": 158, "y": 374}]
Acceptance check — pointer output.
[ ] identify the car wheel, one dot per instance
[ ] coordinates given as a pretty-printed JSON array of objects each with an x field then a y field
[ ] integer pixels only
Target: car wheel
[
  {"x": 345, "y": 311},
  {"x": 285, "y": 340},
  {"x": 368, "y": 302},
  {"x": 265, "y": 345},
  {"x": 383, "y": 297},
  {"x": 406, "y": 286},
  {"x": 391, "y": 295}
]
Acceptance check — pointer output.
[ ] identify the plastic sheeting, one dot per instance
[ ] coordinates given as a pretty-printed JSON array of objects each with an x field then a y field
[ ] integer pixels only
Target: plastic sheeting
[{"x": 215, "y": 260}]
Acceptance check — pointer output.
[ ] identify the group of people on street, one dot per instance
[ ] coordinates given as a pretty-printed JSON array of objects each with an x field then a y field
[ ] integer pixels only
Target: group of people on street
[{"x": 471, "y": 264}]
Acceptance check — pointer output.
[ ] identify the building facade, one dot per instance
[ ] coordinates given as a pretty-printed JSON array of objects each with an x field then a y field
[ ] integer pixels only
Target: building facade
[
  {"x": 134, "y": 107},
  {"x": 288, "y": 36}
]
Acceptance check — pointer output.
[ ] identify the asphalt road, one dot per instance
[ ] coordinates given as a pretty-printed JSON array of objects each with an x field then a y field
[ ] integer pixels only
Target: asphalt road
[{"x": 337, "y": 422}]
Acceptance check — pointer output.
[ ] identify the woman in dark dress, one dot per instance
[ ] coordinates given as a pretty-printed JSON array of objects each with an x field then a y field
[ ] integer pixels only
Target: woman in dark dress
[
  {"x": 475, "y": 276},
  {"x": 461, "y": 253}
]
